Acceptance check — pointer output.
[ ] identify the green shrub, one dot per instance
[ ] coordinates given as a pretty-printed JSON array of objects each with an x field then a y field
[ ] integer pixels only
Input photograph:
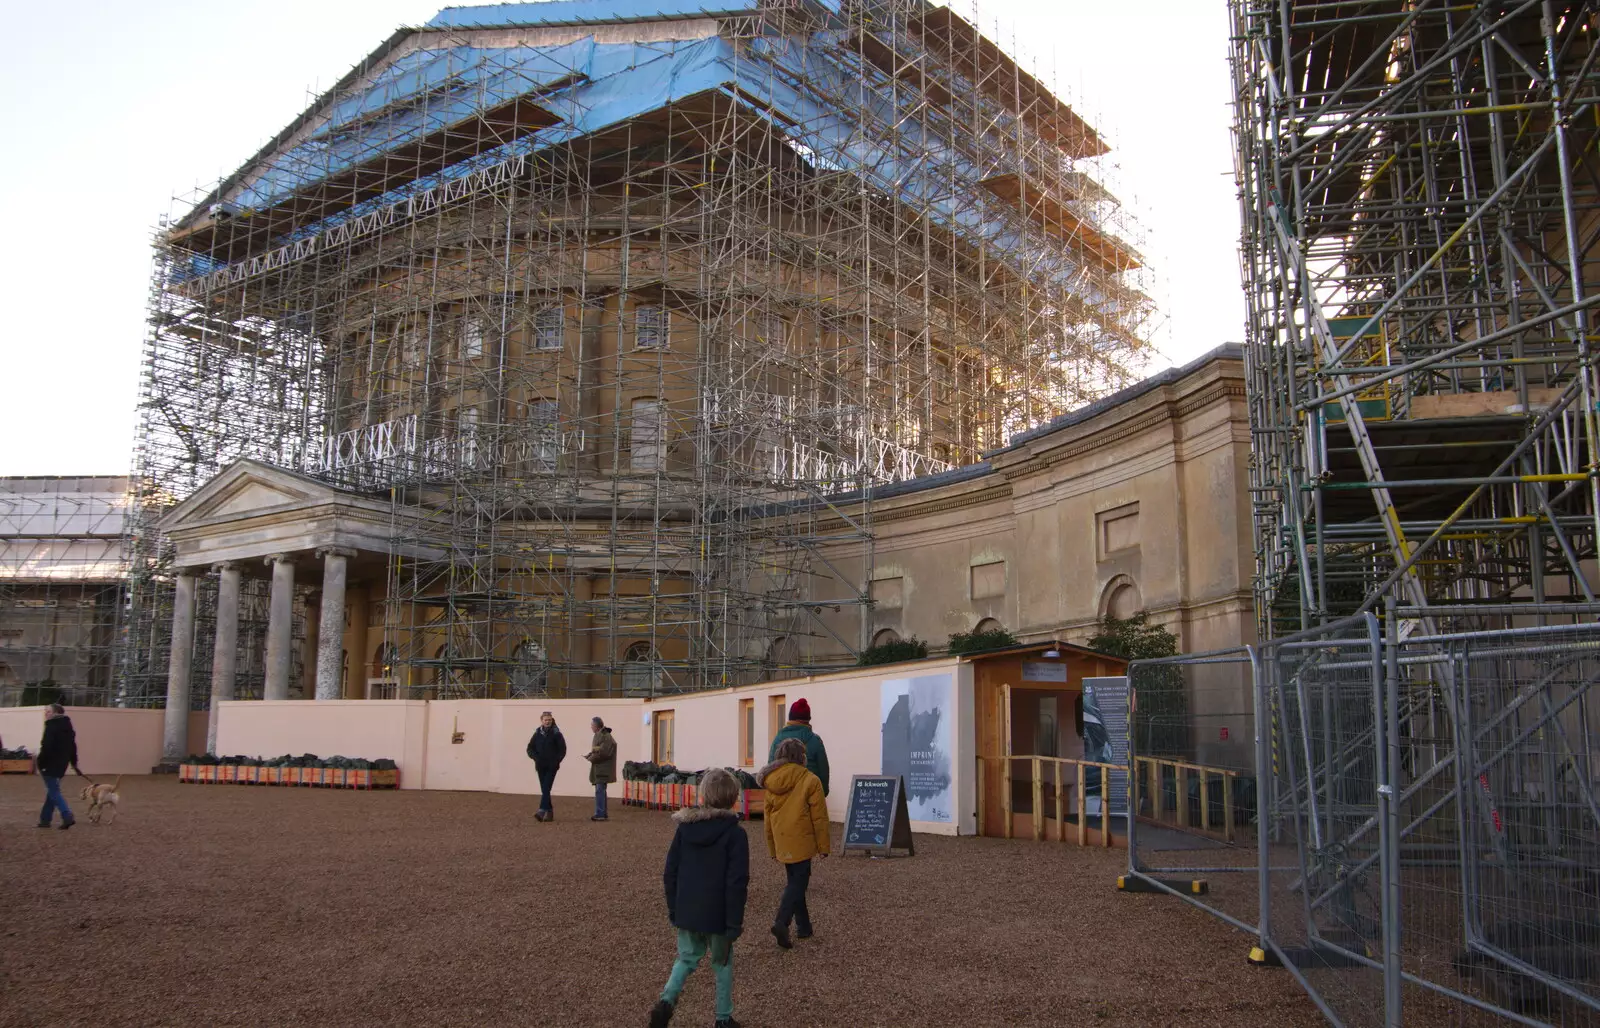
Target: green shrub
[
  {"x": 1160, "y": 723},
  {"x": 979, "y": 642},
  {"x": 893, "y": 652}
]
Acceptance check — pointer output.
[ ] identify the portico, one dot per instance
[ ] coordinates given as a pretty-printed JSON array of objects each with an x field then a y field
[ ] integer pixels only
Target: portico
[{"x": 258, "y": 521}]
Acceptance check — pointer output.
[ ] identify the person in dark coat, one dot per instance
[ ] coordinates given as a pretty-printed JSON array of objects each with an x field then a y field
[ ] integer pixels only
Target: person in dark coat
[
  {"x": 547, "y": 749},
  {"x": 799, "y": 727},
  {"x": 707, "y": 879},
  {"x": 58, "y": 750}
]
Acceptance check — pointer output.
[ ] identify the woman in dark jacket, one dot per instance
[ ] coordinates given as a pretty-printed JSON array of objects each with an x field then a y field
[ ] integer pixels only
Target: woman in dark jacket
[
  {"x": 58, "y": 750},
  {"x": 547, "y": 749}
]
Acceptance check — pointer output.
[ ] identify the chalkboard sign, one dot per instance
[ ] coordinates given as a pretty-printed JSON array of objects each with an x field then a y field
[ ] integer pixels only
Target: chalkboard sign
[{"x": 876, "y": 821}]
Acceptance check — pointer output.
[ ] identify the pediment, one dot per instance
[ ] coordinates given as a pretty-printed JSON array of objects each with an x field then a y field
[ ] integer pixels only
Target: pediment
[{"x": 246, "y": 488}]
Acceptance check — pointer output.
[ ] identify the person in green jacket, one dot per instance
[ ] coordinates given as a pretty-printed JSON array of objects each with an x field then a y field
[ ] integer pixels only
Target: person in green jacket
[
  {"x": 602, "y": 758},
  {"x": 799, "y": 727}
]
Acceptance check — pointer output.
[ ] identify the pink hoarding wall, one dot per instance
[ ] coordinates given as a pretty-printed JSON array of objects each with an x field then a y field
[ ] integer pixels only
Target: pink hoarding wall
[
  {"x": 846, "y": 711},
  {"x": 464, "y": 745},
  {"x": 21, "y": 726},
  {"x": 396, "y": 729},
  {"x": 512, "y": 771},
  {"x": 111, "y": 740},
  {"x": 480, "y": 745}
]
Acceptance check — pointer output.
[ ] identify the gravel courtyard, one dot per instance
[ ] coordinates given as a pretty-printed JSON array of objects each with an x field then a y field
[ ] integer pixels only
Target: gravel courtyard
[{"x": 237, "y": 905}]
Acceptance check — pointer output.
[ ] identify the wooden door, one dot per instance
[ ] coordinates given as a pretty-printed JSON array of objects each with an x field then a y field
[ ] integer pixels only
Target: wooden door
[
  {"x": 777, "y": 717},
  {"x": 992, "y": 694},
  {"x": 661, "y": 749}
]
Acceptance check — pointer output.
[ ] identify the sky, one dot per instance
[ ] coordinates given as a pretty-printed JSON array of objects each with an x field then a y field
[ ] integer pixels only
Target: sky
[{"x": 107, "y": 120}]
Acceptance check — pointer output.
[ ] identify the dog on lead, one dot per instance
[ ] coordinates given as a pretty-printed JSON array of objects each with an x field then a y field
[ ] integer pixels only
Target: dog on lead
[{"x": 102, "y": 799}]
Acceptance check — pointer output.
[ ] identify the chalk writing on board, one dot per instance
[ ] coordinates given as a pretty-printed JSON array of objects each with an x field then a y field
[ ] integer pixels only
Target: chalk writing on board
[{"x": 876, "y": 821}]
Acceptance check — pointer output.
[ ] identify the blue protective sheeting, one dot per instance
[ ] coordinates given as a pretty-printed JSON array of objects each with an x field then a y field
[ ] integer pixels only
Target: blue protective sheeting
[
  {"x": 417, "y": 95},
  {"x": 586, "y": 12},
  {"x": 591, "y": 86}
]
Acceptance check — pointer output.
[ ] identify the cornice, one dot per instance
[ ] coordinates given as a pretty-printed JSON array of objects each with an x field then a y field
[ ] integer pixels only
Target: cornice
[{"x": 1046, "y": 455}]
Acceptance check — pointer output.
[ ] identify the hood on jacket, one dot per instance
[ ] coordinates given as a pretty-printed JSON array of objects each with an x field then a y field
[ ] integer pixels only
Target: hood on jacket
[
  {"x": 705, "y": 826},
  {"x": 605, "y": 731},
  {"x": 781, "y": 776}
]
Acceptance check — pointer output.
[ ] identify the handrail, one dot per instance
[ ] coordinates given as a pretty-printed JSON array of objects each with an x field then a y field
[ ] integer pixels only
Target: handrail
[
  {"x": 1151, "y": 767},
  {"x": 1038, "y": 762}
]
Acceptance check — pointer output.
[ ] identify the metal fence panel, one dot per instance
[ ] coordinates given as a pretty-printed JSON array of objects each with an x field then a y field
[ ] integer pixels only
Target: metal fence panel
[{"x": 1414, "y": 830}]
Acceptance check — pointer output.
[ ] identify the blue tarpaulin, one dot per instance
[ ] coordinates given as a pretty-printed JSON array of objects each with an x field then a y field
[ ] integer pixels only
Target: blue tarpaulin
[
  {"x": 589, "y": 86},
  {"x": 586, "y": 12}
]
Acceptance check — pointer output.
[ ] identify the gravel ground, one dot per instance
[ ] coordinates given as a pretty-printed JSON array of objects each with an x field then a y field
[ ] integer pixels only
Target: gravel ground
[{"x": 232, "y": 905}]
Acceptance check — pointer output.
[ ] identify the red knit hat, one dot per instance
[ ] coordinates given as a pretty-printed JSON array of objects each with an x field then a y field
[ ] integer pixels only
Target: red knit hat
[{"x": 800, "y": 710}]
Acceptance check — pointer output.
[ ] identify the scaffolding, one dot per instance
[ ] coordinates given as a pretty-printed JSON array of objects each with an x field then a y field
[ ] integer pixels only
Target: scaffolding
[
  {"x": 61, "y": 574},
  {"x": 1419, "y": 200},
  {"x": 608, "y": 306}
]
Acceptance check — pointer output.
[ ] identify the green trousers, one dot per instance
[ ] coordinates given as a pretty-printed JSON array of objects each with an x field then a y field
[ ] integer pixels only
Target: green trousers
[{"x": 691, "y": 947}]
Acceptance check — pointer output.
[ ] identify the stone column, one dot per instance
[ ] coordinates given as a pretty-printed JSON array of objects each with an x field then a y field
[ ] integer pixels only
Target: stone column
[
  {"x": 330, "y": 633},
  {"x": 280, "y": 626},
  {"x": 175, "y": 734},
  {"x": 225, "y": 655}
]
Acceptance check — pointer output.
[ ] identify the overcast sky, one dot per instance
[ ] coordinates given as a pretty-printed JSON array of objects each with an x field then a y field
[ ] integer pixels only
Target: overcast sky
[{"x": 108, "y": 117}]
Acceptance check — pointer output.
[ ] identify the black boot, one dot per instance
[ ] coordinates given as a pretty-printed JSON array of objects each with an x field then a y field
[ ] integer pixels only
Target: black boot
[
  {"x": 782, "y": 935},
  {"x": 660, "y": 1014},
  {"x": 727, "y": 1022}
]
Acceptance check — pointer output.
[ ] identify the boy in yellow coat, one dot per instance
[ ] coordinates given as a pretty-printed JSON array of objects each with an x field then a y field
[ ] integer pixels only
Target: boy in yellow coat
[{"x": 796, "y": 818}]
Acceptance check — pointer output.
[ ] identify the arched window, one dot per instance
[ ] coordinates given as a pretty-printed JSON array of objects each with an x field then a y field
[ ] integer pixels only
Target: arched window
[
  {"x": 640, "y": 675},
  {"x": 885, "y": 636},
  {"x": 989, "y": 625},
  {"x": 530, "y": 670},
  {"x": 384, "y": 658},
  {"x": 1121, "y": 599},
  {"x": 449, "y": 676}
]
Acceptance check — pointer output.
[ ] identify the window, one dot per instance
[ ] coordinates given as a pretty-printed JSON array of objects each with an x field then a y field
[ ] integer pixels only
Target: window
[
  {"x": 988, "y": 625},
  {"x": 543, "y": 431},
  {"x": 747, "y": 733},
  {"x": 661, "y": 746},
  {"x": 411, "y": 346},
  {"x": 547, "y": 328},
  {"x": 777, "y": 716},
  {"x": 988, "y": 580},
  {"x": 885, "y": 637},
  {"x": 650, "y": 328},
  {"x": 639, "y": 677},
  {"x": 887, "y": 593},
  {"x": 1117, "y": 530},
  {"x": 529, "y": 670},
  {"x": 647, "y": 436},
  {"x": 1045, "y": 741},
  {"x": 471, "y": 339},
  {"x": 384, "y": 660}
]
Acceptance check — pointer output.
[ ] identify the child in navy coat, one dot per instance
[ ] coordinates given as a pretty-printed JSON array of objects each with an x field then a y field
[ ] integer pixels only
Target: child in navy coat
[{"x": 707, "y": 875}]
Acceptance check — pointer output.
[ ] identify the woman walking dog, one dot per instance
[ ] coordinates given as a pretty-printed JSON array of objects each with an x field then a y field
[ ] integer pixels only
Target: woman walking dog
[{"x": 796, "y": 817}]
